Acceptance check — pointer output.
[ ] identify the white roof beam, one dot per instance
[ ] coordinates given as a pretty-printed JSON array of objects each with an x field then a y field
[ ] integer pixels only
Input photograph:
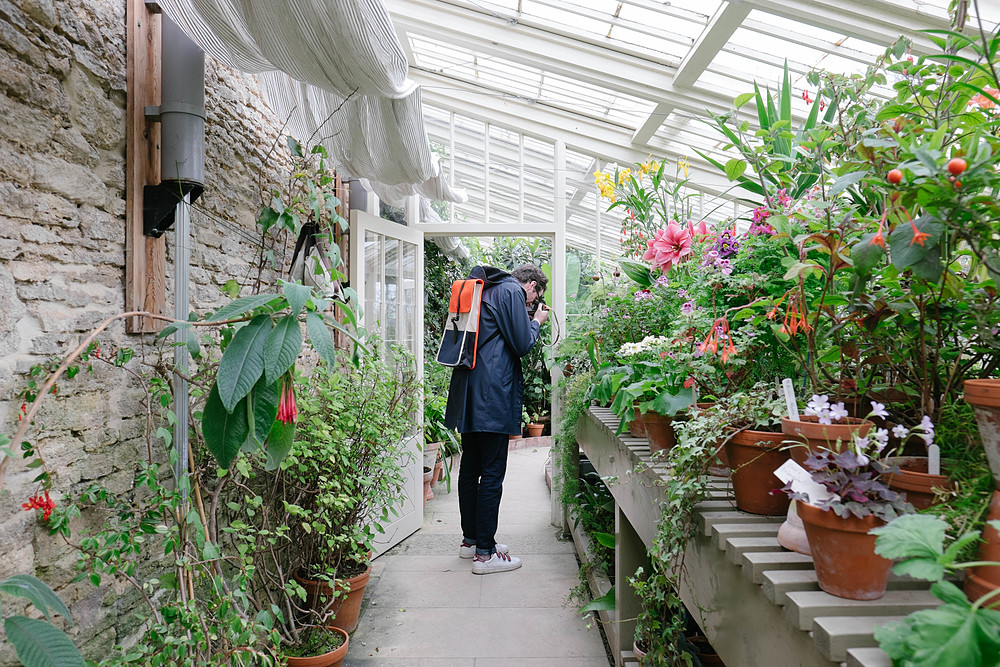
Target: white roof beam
[
  {"x": 720, "y": 28},
  {"x": 877, "y": 22},
  {"x": 566, "y": 56},
  {"x": 580, "y": 134},
  {"x": 652, "y": 123}
]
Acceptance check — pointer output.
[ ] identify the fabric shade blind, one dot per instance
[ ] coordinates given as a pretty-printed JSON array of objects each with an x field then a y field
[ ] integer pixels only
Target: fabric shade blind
[{"x": 336, "y": 70}]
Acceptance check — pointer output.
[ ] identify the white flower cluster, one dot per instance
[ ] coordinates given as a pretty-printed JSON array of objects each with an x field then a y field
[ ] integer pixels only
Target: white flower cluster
[
  {"x": 820, "y": 407},
  {"x": 647, "y": 344}
]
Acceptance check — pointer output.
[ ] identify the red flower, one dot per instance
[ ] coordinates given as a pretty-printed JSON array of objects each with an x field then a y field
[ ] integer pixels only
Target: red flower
[
  {"x": 689, "y": 382},
  {"x": 287, "y": 411},
  {"x": 40, "y": 502}
]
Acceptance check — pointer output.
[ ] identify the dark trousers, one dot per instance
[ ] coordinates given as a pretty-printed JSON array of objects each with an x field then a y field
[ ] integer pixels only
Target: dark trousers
[{"x": 480, "y": 485}]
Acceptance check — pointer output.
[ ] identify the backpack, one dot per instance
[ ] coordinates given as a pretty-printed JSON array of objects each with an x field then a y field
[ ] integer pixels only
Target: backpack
[{"x": 460, "y": 338}]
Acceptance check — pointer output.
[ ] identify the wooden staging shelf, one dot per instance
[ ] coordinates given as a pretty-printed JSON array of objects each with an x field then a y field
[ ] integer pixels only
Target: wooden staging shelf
[{"x": 761, "y": 603}]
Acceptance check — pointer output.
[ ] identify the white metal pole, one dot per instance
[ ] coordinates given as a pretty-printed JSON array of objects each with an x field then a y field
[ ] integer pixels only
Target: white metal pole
[{"x": 182, "y": 268}]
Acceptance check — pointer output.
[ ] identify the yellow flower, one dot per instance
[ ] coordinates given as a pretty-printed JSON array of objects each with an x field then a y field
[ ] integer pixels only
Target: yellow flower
[
  {"x": 683, "y": 164},
  {"x": 623, "y": 176}
]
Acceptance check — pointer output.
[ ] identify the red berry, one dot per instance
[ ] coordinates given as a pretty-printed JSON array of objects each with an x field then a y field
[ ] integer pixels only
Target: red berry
[
  {"x": 957, "y": 166},
  {"x": 895, "y": 176},
  {"x": 958, "y": 184}
]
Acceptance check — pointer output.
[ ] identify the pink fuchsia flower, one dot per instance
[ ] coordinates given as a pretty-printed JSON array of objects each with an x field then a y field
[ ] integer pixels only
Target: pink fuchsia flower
[
  {"x": 668, "y": 247},
  {"x": 288, "y": 412}
]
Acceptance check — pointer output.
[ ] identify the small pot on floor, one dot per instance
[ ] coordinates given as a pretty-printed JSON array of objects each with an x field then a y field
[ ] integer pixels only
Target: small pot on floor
[{"x": 334, "y": 658}]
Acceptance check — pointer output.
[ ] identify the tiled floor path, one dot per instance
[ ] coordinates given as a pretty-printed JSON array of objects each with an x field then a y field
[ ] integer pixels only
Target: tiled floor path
[{"x": 426, "y": 609}]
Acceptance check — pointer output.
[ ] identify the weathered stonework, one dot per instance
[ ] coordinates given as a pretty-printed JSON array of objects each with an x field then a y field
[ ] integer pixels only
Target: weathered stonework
[{"x": 62, "y": 257}]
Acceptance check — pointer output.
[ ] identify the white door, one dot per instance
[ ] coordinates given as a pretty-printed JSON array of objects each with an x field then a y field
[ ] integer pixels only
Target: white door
[{"x": 387, "y": 270}]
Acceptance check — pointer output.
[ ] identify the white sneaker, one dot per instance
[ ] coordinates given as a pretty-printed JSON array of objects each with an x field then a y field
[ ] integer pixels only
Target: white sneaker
[
  {"x": 498, "y": 562},
  {"x": 465, "y": 551}
]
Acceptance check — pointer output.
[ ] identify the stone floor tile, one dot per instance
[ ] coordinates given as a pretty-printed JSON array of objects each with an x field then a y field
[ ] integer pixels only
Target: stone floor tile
[
  {"x": 529, "y": 590},
  {"x": 454, "y": 588}
]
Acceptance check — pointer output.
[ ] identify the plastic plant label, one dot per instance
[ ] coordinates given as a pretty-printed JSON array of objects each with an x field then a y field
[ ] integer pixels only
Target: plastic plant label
[
  {"x": 934, "y": 460},
  {"x": 802, "y": 482},
  {"x": 790, "y": 404}
]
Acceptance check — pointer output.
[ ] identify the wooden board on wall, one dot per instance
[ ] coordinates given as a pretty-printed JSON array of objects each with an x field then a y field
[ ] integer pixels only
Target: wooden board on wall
[{"x": 145, "y": 256}]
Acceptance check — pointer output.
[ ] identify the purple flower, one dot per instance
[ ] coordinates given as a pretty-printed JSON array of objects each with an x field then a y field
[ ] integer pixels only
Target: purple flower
[
  {"x": 687, "y": 308},
  {"x": 878, "y": 410}
]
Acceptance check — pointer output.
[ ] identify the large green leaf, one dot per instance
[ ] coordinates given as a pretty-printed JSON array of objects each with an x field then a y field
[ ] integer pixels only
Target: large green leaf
[
  {"x": 40, "y": 644},
  {"x": 845, "y": 181},
  {"x": 668, "y": 403},
  {"x": 243, "y": 362},
  {"x": 279, "y": 443},
  {"x": 282, "y": 347},
  {"x": 297, "y": 295},
  {"x": 37, "y": 592},
  {"x": 866, "y": 255},
  {"x": 923, "y": 259},
  {"x": 240, "y": 306},
  {"x": 735, "y": 168},
  {"x": 225, "y": 431},
  {"x": 637, "y": 271},
  {"x": 265, "y": 408},
  {"x": 604, "y": 603},
  {"x": 319, "y": 336}
]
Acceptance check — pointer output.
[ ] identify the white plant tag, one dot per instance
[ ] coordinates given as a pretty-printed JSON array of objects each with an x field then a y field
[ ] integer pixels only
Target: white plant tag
[
  {"x": 934, "y": 460},
  {"x": 790, "y": 404},
  {"x": 802, "y": 482}
]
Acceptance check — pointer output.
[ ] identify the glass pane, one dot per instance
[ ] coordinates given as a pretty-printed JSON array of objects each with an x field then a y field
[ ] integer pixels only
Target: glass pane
[
  {"x": 373, "y": 279},
  {"x": 389, "y": 332},
  {"x": 408, "y": 298}
]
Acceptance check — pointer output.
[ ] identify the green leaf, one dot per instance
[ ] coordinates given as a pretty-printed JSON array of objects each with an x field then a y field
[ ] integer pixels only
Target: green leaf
[
  {"x": 40, "y": 644},
  {"x": 735, "y": 168},
  {"x": 240, "y": 306},
  {"x": 37, "y": 592},
  {"x": 279, "y": 443},
  {"x": 668, "y": 403},
  {"x": 605, "y": 539},
  {"x": 799, "y": 269},
  {"x": 918, "y": 538},
  {"x": 604, "y": 603},
  {"x": 742, "y": 99},
  {"x": 924, "y": 260},
  {"x": 637, "y": 271},
  {"x": 297, "y": 296},
  {"x": 319, "y": 336},
  {"x": 224, "y": 430},
  {"x": 845, "y": 181},
  {"x": 294, "y": 147},
  {"x": 194, "y": 349},
  {"x": 243, "y": 362},
  {"x": 267, "y": 217},
  {"x": 866, "y": 255},
  {"x": 265, "y": 407},
  {"x": 282, "y": 347}
]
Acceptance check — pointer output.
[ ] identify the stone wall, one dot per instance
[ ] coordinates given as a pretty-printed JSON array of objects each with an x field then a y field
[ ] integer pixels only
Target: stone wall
[{"x": 62, "y": 252}]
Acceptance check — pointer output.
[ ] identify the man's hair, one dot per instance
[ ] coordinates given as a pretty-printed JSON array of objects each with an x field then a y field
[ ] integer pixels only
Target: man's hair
[{"x": 528, "y": 272}]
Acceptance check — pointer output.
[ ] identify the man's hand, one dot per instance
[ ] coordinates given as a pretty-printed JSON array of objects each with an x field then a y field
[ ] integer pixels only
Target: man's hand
[{"x": 542, "y": 314}]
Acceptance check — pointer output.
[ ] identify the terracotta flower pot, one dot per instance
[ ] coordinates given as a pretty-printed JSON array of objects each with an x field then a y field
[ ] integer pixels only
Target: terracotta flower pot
[
  {"x": 638, "y": 652},
  {"x": 636, "y": 428},
  {"x": 753, "y": 457},
  {"x": 438, "y": 471},
  {"x": 428, "y": 476},
  {"x": 431, "y": 453},
  {"x": 914, "y": 480},
  {"x": 818, "y": 436},
  {"x": 534, "y": 430},
  {"x": 984, "y": 579},
  {"x": 659, "y": 431},
  {"x": 844, "y": 553},
  {"x": 334, "y": 658},
  {"x": 346, "y": 608},
  {"x": 984, "y": 397}
]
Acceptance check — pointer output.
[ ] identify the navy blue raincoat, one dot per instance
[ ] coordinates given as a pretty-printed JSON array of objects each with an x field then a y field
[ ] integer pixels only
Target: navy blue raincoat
[{"x": 488, "y": 398}]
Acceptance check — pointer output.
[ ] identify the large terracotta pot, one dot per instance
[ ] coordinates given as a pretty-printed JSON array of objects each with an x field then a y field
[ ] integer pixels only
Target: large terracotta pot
[
  {"x": 818, "y": 436},
  {"x": 753, "y": 457},
  {"x": 534, "y": 430},
  {"x": 844, "y": 553},
  {"x": 346, "y": 608},
  {"x": 914, "y": 480},
  {"x": 984, "y": 397},
  {"x": 659, "y": 431},
  {"x": 438, "y": 471},
  {"x": 428, "y": 477},
  {"x": 635, "y": 427},
  {"x": 984, "y": 579},
  {"x": 334, "y": 658},
  {"x": 431, "y": 453}
]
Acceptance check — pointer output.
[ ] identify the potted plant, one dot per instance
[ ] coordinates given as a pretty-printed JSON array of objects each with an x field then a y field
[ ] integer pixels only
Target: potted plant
[
  {"x": 851, "y": 499},
  {"x": 534, "y": 426},
  {"x": 755, "y": 447},
  {"x": 319, "y": 647},
  {"x": 343, "y": 478}
]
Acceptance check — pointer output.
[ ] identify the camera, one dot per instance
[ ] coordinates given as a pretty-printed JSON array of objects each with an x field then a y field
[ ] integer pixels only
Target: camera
[{"x": 533, "y": 307}]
